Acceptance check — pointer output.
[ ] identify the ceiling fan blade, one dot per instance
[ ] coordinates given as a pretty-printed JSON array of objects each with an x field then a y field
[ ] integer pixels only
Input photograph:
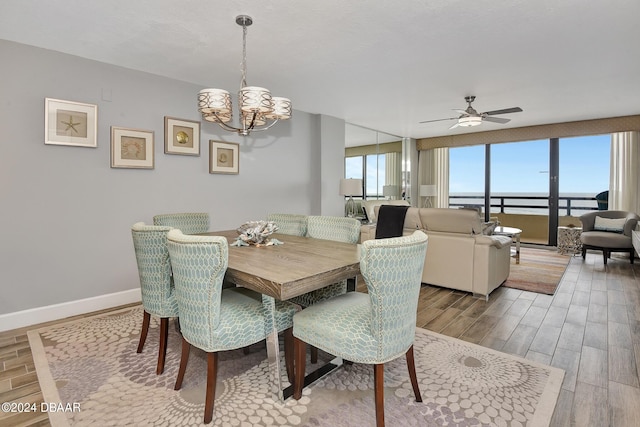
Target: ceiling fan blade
[
  {"x": 496, "y": 120},
  {"x": 504, "y": 111},
  {"x": 439, "y": 120},
  {"x": 455, "y": 125},
  {"x": 465, "y": 112}
]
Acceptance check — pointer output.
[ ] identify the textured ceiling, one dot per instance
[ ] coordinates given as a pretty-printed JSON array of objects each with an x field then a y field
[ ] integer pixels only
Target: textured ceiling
[{"x": 380, "y": 64}]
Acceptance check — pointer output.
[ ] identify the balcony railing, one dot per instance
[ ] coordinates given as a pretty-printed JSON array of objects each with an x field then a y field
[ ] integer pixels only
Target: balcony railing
[{"x": 567, "y": 204}]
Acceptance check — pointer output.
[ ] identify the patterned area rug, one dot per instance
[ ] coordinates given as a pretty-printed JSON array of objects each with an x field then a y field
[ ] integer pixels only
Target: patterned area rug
[
  {"x": 92, "y": 368},
  {"x": 539, "y": 270}
]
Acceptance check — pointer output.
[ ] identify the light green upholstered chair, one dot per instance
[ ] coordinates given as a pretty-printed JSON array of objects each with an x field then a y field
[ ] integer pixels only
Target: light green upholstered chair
[
  {"x": 372, "y": 328},
  {"x": 215, "y": 319},
  {"x": 292, "y": 224},
  {"x": 339, "y": 229},
  {"x": 156, "y": 284},
  {"x": 187, "y": 222}
]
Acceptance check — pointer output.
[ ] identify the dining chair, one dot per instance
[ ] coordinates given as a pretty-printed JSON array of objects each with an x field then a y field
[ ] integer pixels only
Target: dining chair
[
  {"x": 375, "y": 327},
  {"x": 156, "y": 283},
  {"x": 292, "y": 224},
  {"x": 214, "y": 319},
  {"x": 339, "y": 229},
  {"x": 187, "y": 222}
]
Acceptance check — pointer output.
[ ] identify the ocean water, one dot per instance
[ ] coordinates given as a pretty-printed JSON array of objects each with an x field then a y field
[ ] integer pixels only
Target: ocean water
[{"x": 525, "y": 203}]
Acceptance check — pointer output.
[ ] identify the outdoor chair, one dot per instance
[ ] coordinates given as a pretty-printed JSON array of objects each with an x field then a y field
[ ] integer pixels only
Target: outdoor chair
[
  {"x": 375, "y": 327},
  {"x": 214, "y": 319},
  {"x": 603, "y": 200},
  {"x": 608, "y": 231},
  {"x": 187, "y": 222},
  {"x": 156, "y": 283}
]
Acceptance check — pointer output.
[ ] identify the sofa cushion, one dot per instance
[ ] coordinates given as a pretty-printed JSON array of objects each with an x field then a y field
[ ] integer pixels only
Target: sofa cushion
[
  {"x": 451, "y": 220},
  {"x": 390, "y": 221},
  {"x": 606, "y": 239}
]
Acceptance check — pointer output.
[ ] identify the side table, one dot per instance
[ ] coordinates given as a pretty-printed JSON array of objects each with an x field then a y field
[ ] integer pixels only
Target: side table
[
  {"x": 512, "y": 232},
  {"x": 569, "y": 240}
]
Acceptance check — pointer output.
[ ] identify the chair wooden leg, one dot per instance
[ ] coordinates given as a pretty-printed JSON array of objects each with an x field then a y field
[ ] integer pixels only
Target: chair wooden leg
[
  {"x": 584, "y": 252},
  {"x": 212, "y": 373},
  {"x": 314, "y": 354},
  {"x": 632, "y": 255},
  {"x": 146, "y": 318},
  {"x": 300, "y": 354},
  {"x": 605, "y": 255},
  {"x": 411, "y": 365},
  {"x": 378, "y": 381},
  {"x": 289, "y": 354},
  {"x": 162, "y": 348},
  {"x": 184, "y": 358}
]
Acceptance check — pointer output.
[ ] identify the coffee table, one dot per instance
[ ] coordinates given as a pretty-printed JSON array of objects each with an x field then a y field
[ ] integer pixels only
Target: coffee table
[{"x": 512, "y": 232}]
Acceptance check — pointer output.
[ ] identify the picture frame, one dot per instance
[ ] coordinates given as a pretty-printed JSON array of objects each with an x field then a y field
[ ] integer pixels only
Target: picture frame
[
  {"x": 224, "y": 157},
  {"x": 70, "y": 123},
  {"x": 131, "y": 148},
  {"x": 181, "y": 136}
]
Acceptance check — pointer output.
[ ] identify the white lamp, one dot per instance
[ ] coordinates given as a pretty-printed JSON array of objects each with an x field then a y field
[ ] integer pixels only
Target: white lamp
[
  {"x": 351, "y": 187},
  {"x": 428, "y": 191},
  {"x": 390, "y": 191}
]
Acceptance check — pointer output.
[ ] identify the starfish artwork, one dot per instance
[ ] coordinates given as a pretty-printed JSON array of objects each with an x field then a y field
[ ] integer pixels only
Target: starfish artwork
[{"x": 70, "y": 124}]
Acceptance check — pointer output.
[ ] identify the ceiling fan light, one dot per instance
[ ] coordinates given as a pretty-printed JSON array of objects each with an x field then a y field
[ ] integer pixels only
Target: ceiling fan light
[
  {"x": 214, "y": 100},
  {"x": 255, "y": 99},
  {"x": 281, "y": 109},
  {"x": 468, "y": 121}
]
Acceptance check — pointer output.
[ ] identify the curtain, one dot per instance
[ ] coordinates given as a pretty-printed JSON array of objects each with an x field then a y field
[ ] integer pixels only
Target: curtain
[
  {"x": 393, "y": 171},
  {"x": 624, "y": 172},
  {"x": 433, "y": 168}
]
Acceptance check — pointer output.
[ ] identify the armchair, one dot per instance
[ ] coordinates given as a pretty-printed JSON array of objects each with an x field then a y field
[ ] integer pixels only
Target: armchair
[{"x": 608, "y": 231}]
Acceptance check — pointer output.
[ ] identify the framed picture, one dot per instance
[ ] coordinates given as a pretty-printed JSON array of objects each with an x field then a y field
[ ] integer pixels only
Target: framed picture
[
  {"x": 181, "y": 136},
  {"x": 131, "y": 148},
  {"x": 70, "y": 123},
  {"x": 224, "y": 157}
]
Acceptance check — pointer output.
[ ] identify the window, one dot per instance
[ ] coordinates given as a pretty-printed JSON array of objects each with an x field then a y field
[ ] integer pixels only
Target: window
[{"x": 466, "y": 176}]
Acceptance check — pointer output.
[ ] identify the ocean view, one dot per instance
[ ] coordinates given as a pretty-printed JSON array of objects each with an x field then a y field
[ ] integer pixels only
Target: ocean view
[{"x": 527, "y": 203}]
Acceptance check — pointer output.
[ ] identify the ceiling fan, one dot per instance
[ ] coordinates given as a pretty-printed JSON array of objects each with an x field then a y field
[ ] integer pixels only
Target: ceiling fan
[{"x": 470, "y": 117}]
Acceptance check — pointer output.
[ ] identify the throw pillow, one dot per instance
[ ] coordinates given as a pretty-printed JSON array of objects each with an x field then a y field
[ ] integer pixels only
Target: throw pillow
[{"x": 609, "y": 224}]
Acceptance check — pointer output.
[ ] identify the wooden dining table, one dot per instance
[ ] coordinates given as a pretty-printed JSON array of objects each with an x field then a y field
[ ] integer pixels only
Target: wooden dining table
[{"x": 297, "y": 266}]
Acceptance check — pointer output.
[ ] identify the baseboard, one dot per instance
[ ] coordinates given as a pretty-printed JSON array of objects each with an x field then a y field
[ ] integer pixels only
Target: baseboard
[{"x": 33, "y": 316}]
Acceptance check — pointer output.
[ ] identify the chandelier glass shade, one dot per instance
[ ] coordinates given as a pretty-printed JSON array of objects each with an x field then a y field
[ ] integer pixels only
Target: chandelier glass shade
[{"x": 257, "y": 109}]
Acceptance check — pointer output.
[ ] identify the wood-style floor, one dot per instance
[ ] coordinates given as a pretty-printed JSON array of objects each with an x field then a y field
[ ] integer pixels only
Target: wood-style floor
[{"x": 590, "y": 328}]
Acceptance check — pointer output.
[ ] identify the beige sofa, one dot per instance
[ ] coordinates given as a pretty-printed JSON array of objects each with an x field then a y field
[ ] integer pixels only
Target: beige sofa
[{"x": 458, "y": 256}]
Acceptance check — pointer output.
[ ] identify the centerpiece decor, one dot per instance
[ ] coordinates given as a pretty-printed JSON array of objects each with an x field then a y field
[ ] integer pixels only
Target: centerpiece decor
[{"x": 256, "y": 233}]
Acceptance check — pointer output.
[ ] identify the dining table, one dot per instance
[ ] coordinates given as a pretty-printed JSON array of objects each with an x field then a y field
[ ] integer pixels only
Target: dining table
[{"x": 282, "y": 271}]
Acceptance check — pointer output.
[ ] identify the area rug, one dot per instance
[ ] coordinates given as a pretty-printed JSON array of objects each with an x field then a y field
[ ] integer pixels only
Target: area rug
[
  {"x": 539, "y": 270},
  {"x": 90, "y": 370}
]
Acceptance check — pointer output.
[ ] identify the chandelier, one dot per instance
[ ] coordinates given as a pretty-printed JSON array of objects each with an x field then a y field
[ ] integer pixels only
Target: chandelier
[{"x": 258, "y": 110}]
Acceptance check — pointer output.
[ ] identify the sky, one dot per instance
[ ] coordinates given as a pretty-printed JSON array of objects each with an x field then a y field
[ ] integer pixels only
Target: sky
[{"x": 523, "y": 167}]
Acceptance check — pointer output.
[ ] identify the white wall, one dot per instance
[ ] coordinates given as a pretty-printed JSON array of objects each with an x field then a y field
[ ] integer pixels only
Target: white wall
[{"x": 66, "y": 215}]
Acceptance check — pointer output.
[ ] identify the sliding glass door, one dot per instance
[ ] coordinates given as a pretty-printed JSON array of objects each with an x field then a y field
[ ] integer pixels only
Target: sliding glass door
[{"x": 535, "y": 186}]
